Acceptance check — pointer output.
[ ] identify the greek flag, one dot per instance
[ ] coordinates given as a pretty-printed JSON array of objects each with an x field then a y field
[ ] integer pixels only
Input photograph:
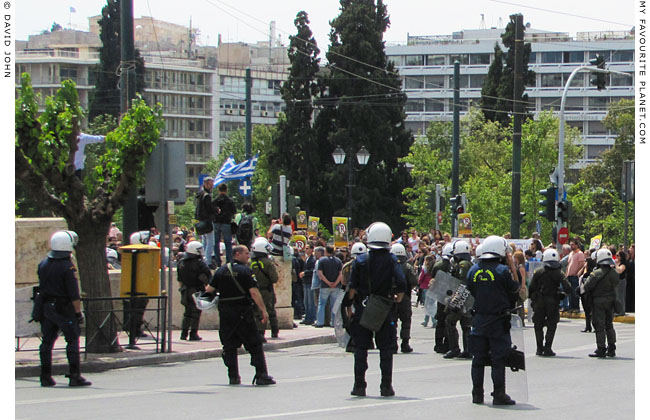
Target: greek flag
[{"x": 229, "y": 170}]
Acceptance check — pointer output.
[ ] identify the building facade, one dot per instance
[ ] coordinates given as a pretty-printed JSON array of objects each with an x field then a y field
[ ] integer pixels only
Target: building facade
[{"x": 426, "y": 65}]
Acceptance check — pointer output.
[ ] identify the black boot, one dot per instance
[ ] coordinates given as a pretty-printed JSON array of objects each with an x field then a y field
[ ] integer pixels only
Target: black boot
[
  {"x": 46, "y": 369},
  {"x": 405, "y": 346},
  {"x": 499, "y": 397},
  {"x": 451, "y": 354},
  {"x": 194, "y": 336},
  {"x": 274, "y": 332},
  {"x": 477, "y": 395},
  {"x": 386, "y": 387},
  {"x": 600, "y": 352},
  {"x": 232, "y": 364},
  {"x": 183, "y": 334},
  {"x": 261, "y": 373},
  {"x": 611, "y": 350},
  {"x": 539, "y": 338},
  {"x": 75, "y": 376},
  {"x": 550, "y": 335},
  {"x": 359, "y": 388}
]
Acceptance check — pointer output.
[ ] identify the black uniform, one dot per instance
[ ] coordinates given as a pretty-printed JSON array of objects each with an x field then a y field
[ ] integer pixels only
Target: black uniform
[
  {"x": 59, "y": 287},
  {"x": 404, "y": 312},
  {"x": 585, "y": 297},
  {"x": 544, "y": 290},
  {"x": 266, "y": 275},
  {"x": 459, "y": 271},
  {"x": 494, "y": 291},
  {"x": 193, "y": 274},
  {"x": 442, "y": 340},
  {"x": 602, "y": 284},
  {"x": 236, "y": 318},
  {"x": 381, "y": 269}
]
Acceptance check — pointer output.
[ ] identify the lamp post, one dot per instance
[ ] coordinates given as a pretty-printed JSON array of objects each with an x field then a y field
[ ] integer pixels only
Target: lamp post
[{"x": 340, "y": 157}]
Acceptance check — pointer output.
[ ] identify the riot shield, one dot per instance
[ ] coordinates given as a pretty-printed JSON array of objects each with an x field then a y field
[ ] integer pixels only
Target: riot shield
[
  {"x": 430, "y": 305},
  {"x": 342, "y": 336},
  {"x": 448, "y": 290},
  {"x": 516, "y": 376}
]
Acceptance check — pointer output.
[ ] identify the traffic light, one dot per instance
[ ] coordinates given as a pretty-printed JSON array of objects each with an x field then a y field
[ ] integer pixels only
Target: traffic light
[
  {"x": 598, "y": 79},
  {"x": 453, "y": 204},
  {"x": 431, "y": 200},
  {"x": 293, "y": 204},
  {"x": 522, "y": 221},
  {"x": 460, "y": 208},
  {"x": 564, "y": 210},
  {"x": 548, "y": 203}
]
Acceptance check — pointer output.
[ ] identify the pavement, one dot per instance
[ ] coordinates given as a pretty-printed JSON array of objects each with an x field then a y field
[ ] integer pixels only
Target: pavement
[{"x": 28, "y": 364}]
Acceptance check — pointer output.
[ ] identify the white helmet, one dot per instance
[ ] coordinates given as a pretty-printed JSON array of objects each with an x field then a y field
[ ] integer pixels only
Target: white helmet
[
  {"x": 63, "y": 240},
  {"x": 358, "y": 248},
  {"x": 551, "y": 258},
  {"x": 261, "y": 246},
  {"x": 494, "y": 247},
  {"x": 479, "y": 250},
  {"x": 448, "y": 250},
  {"x": 460, "y": 247},
  {"x": 604, "y": 256},
  {"x": 141, "y": 237},
  {"x": 379, "y": 236},
  {"x": 194, "y": 248},
  {"x": 75, "y": 237},
  {"x": 205, "y": 303},
  {"x": 398, "y": 250}
]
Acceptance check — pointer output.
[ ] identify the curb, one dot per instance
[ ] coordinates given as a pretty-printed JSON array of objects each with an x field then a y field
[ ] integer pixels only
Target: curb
[
  {"x": 627, "y": 319},
  {"x": 94, "y": 366}
]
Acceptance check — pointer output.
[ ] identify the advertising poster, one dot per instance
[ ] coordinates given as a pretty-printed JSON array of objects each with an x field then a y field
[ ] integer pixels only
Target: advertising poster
[
  {"x": 596, "y": 241},
  {"x": 301, "y": 219},
  {"x": 340, "y": 229},
  {"x": 312, "y": 228},
  {"x": 464, "y": 224}
]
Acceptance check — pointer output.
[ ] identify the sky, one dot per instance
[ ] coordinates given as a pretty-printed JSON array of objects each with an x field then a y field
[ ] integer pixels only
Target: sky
[{"x": 248, "y": 21}]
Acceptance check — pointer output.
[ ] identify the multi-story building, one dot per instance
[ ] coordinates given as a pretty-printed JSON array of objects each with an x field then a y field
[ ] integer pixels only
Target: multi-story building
[{"x": 426, "y": 65}]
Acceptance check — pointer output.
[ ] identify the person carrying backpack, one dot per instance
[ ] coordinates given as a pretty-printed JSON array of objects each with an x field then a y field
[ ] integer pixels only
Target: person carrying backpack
[{"x": 246, "y": 225}]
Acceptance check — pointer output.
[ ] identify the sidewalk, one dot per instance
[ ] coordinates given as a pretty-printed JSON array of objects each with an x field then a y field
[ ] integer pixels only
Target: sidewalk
[
  {"x": 28, "y": 364},
  {"x": 627, "y": 319}
]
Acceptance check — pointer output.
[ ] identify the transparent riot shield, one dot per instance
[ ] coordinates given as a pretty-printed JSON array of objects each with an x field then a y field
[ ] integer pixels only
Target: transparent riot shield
[
  {"x": 342, "y": 336},
  {"x": 448, "y": 290},
  {"x": 430, "y": 304},
  {"x": 516, "y": 376}
]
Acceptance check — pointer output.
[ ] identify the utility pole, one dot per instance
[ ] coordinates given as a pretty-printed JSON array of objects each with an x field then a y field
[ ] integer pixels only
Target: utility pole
[
  {"x": 515, "y": 205},
  {"x": 127, "y": 93},
  {"x": 455, "y": 150},
  {"x": 249, "y": 111}
]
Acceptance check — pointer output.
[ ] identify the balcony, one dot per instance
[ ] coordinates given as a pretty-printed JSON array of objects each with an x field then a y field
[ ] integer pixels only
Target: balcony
[
  {"x": 186, "y": 111},
  {"x": 187, "y": 134},
  {"x": 177, "y": 87},
  {"x": 81, "y": 55},
  {"x": 203, "y": 157}
]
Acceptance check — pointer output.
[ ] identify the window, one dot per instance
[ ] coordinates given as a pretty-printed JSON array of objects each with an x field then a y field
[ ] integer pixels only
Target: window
[
  {"x": 574, "y": 56},
  {"x": 533, "y": 57},
  {"x": 623, "y": 56},
  {"x": 578, "y": 80},
  {"x": 414, "y": 82},
  {"x": 462, "y": 58},
  {"x": 550, "y": 103},
  {"x": 435, "y": 60},
  {"x": 476, "y": 81},
  {"x": 552, "y": 80},
  {"x": 68, "y": 73},
  {"x": 414, "y": 60},
  {"x": 595, "y": 128},
  {"x": 575, "y": 124},
  {"x": 595, "y": 150},
  {"x": 416, "y": 127},
  {"x": 414, "y": 105},
  {"x": 396, "y": 60},
  {"x": 598, "y": 103},
  {"x": 434, "y": 105},
  {"x": 606, "y": 54},
  {"x": 434, "y": 82},
  {"x": 620, "y": 80},
  {"x": 479, "y": 59},
  {"x": 573, "y": 104},
  {"x": 464, "y": 81},
  {"x": 552, "y": 57}
]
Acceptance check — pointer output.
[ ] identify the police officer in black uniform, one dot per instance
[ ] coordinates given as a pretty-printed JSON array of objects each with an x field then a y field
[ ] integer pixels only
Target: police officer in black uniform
[
  {"x": 545, "y": 295},
  {"x": 494, "y": 291},
  {"x": 193, "y": 274},
  {"x": 442, "y": 339},
  {"x": 61, "y": 307},
  {"x": 404, "y": 313},
  {"x": 462, "y": 265},
  {"x": 238, "y": 293},
  {"x": 602, "y": 284},
  {"x": 380, "y": 271}
]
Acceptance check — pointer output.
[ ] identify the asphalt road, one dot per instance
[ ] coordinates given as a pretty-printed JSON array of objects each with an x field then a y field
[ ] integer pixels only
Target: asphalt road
[{"x": 314, "y": 382}]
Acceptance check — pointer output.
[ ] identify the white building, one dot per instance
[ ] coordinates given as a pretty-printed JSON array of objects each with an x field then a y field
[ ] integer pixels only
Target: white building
[{"x": 426, "y": 65}]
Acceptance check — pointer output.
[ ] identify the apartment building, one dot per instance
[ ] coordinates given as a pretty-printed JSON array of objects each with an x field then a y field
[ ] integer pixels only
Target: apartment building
[{"x": 426, "y": 64}]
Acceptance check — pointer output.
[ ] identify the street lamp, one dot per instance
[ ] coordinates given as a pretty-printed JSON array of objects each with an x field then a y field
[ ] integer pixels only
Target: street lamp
[{"x": 339, "y": 155}]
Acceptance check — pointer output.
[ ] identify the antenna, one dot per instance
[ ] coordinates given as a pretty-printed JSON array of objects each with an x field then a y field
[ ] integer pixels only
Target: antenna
[{"x": 482, "y": 24}]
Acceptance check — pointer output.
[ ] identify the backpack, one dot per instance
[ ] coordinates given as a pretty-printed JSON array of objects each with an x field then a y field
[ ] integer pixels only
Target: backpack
[{"x": 245, "y": 230}]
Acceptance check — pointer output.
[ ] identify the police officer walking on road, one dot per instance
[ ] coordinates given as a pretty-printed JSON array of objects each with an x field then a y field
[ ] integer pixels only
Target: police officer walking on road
[
  {"x": 193, "y": 274},
  {"x": 462, "y": 258},
  {"x": 442, "y": 339},
  {"x": 238, "y": 293},
  {"x": 602, "y": 284},
  {"x": 266, "y": 275},
  {"x": 545, "y": 295},
  {"x": 377, "y": 273},
  {"x": 61, "y": 307},
  {"x": 494, "y": 290},
  {"x": 403, "y": 308}
]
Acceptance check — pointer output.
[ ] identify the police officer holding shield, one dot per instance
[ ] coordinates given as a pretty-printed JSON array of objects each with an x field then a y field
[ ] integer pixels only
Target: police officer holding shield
[
  {"x": 377, "y": 273},
  {"x": 193, "y": 274},
  {"x": 442, "y": 339},
  {"x": 404, "y": 313},
  {"x": 490, "y": 282},
  {"x": 462, "y": 259}
]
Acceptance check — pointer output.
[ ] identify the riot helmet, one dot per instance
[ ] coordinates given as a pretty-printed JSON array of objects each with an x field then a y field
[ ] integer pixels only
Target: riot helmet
[{"x": 379, "y": 236}]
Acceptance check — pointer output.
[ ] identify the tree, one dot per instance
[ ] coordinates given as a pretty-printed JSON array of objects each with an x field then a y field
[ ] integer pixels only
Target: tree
[
  {"x": 44, "y": 155},
  {"x": 106, "y": 95},
  {"x": 295, "y": 143},
  {"x": 56, "y": 27},
  {"x": 362, "y": 106},
  {"x": 497, "y": 95}
]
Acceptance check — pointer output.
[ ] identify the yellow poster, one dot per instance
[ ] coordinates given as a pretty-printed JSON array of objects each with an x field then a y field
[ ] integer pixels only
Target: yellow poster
[
  {"x": 312, "y": 229},
  {"x": 464, "y": 224},
  {"x": 596, "y": 241},
  {"x": 298, "y": 241},
  {"x": 340, "y": 228},
  {"x": 301, "y": 218}
]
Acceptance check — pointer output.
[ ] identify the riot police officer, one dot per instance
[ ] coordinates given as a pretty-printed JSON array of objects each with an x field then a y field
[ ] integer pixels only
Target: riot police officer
[
  {"x": 193, "y": 274},
  {"x": 266, "y": 275},
  {"x": 442, "y": 339},
  {"x": 61, "y": 307},
  {"x": 238, "y": 293},
  {"x": 403, "y": 309},
  {"x": 494, "y": 291},
  {"x": 377, "y": 273},
  {"x": 462, "y": 259},
  {"x": 357, "y": 249},
  {"x": 602, "y": 283},
  {"x": 545, "y": 295}
]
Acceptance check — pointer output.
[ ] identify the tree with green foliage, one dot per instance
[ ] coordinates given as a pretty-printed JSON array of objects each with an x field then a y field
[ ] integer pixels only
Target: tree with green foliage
[
  {"x": 600, "y": 182},
  {"x": 295, "y": 143},
  {"x": 497, "y": 95},
  {"x": 362, "y": 105},
  {"x": 44, "y": 155},
  {"x": 106, "y": 95}
]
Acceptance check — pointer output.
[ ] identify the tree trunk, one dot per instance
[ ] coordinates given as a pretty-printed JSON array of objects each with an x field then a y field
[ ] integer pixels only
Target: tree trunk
[{"x": 101, "y": 333}]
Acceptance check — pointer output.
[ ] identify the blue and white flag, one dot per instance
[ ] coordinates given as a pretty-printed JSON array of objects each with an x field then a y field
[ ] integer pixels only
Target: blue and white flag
[{"x": 229, "y": 170}]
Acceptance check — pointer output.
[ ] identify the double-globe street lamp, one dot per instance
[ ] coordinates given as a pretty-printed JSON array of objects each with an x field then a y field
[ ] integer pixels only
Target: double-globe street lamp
[{"x": 340, "y": 156}]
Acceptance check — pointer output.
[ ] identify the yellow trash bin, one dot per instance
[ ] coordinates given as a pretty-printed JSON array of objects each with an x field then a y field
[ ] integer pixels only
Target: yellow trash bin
[{"x": 146, "y": 281}]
